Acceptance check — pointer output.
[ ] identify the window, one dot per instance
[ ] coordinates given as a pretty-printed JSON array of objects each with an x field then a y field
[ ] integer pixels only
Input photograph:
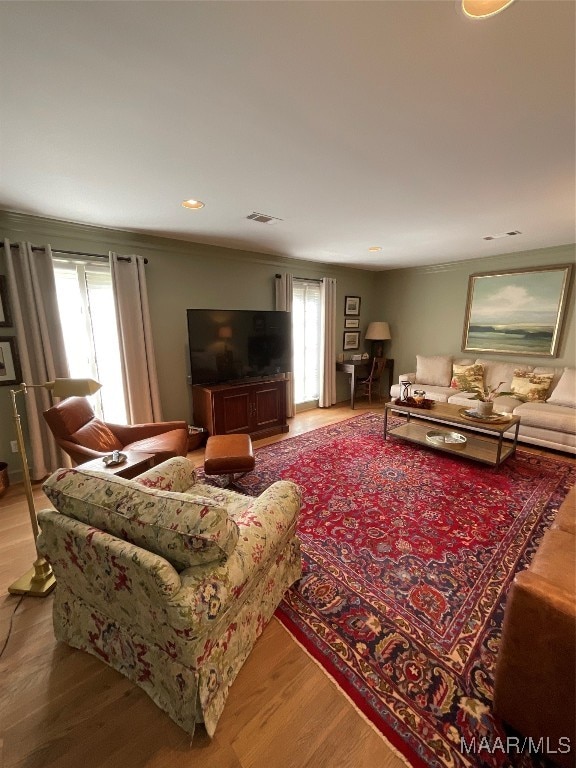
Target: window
[
  {"x": 306, "y": 340},
  {"x": 86, "y": 306}
]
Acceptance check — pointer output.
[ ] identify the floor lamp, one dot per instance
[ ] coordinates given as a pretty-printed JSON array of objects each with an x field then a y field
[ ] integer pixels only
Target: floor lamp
[{"x": 39, "y": 581}]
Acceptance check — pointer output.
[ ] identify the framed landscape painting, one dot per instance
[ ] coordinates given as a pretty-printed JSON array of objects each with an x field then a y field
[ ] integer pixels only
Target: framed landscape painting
[
  {"x": 517, "y": 312},
  {"x": 352, "y": 305},
  {"x": 351, "y": 340}
]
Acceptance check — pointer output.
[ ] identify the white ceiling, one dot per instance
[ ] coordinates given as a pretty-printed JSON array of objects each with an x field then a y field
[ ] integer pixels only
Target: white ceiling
[{"x": 397, "y": 123}]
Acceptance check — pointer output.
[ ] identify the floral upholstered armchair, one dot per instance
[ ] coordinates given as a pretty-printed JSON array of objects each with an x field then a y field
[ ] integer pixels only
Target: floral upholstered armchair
[{"x": 168, "y": 580}]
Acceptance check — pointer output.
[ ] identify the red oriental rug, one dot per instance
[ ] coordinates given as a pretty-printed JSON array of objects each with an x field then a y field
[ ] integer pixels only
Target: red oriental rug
[{"x": 408, "y": 554}]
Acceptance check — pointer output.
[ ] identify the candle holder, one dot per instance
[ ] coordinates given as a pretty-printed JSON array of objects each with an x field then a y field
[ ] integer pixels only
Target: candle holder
[{"x": 406, "y": 385}]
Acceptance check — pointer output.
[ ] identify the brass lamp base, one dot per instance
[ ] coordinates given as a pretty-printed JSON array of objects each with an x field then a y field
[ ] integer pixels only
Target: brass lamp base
[{"x": 37, "y": 582}]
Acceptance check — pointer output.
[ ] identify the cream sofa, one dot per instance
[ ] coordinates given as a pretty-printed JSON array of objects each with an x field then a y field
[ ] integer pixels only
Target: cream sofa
[
  {"x": 551, "y": 424},
  {"x": 168, "y": 580}
]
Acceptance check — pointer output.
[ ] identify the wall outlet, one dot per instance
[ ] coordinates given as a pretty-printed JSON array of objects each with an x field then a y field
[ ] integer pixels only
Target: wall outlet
[{"x": 13, "y": 446}]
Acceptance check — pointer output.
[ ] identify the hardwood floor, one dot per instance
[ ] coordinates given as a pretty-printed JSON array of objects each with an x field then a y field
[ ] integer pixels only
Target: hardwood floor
[{"x": 61, "y": 708}]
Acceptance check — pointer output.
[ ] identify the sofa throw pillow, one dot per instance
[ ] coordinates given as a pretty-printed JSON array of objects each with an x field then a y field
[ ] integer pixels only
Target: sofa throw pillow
[
  {"x": 564, "y": 393},
  {"x": 183, "y": 530},
  {"x": 468, "y": 378},
  {"x": 531, "y": 387},
  {"x": 435, "y": 370}
]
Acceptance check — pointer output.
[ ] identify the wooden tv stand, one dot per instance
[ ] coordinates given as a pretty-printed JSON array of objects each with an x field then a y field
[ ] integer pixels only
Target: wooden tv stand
[{"x": 256, "y": 408}]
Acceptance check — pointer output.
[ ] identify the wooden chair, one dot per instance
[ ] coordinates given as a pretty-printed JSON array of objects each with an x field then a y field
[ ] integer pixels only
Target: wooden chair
[{"x": 372, "y": 383}]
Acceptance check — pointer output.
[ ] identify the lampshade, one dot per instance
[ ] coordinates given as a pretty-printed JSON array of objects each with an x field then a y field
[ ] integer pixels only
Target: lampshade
[
  {"x": 378, "y": 331},
  {"x": 70, "y": 387},
  {"x": 225, "y": 332},
  {"x": 482, "y": 9}
]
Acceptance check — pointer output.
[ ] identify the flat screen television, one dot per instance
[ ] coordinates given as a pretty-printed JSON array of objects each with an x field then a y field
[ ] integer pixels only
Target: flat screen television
[{"x": 228, "y": 345}]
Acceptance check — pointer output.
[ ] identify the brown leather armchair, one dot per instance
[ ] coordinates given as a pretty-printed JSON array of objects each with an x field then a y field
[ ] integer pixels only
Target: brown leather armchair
[
  {"x": 84, "y": 437},
  {"x": 535, "y": 690}
]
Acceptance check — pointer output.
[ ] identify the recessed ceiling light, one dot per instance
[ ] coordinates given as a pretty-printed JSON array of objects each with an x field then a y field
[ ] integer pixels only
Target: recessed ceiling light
[
  {"x": 375, "y": 248},
  {"x": 193, "y": 204},
  {"x": 483, "y": 9}
]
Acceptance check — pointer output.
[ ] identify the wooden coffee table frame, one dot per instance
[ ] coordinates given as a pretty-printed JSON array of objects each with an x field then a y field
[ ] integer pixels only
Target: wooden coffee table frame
[{"x": 484, "y": 440}]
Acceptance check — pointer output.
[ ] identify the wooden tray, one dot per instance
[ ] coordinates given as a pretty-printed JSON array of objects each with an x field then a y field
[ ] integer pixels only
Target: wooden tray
[{"x": 426, "y": 404}]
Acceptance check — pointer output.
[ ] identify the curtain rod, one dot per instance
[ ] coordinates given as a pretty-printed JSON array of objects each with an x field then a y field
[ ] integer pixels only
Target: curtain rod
[
  {"x": 75, "y": 253},
  {"x": 308, "y": 279}
]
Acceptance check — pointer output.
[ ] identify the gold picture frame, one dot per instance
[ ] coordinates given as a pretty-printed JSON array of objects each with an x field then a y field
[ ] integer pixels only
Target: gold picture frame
[{"x": 517, "y": 311}]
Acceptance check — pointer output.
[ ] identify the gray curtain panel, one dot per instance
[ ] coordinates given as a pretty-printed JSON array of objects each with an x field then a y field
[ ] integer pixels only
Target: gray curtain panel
[
  {"x": 328, "y": 343},
  {"x": 135, "y": 339},
  {"x": 40, "y": 345},
  {"x": 284, "y": 293}
]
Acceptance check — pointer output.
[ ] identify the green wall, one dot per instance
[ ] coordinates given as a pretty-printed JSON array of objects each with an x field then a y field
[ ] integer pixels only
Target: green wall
[
  {"x": 426, "y": 307},
  {"x": 180, "y": 275}
]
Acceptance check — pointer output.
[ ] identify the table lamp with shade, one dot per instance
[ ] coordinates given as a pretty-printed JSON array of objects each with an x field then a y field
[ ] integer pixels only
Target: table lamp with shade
[
  {"x": 39, "y": 581},
  {"x": 378, "y": 332}
]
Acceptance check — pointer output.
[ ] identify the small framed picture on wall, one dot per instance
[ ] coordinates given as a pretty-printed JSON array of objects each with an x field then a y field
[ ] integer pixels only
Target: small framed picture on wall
[
  {"x": 10, "y": 372},
  {"x": 352, "y": 305},
  {"x": 5, "y": 317},
  {"x": 351, "y": 340},
  {"x": 351, "y": 322}
]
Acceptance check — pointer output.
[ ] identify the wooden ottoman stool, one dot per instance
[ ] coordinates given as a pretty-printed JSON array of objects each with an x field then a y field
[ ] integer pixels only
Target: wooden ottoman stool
[{"x": 228, "y": 455}]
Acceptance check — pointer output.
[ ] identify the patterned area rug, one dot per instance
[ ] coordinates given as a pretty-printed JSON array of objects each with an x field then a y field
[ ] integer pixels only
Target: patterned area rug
[{"x": 408, "y": 555}]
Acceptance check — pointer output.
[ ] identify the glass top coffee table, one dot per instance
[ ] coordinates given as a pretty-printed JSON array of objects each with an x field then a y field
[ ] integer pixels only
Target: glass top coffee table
[{"x": 442, "y": 426}]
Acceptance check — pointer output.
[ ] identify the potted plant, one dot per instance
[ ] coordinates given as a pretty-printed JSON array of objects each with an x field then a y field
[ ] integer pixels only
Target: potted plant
[{"x": 486, "y": 397}]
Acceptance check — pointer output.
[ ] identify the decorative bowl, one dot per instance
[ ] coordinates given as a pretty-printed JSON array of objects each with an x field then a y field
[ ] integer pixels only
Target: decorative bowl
[
  {"x": 442, "y": 437},
  {"x": 111, "y": 461},
  {"x": 494, "y": 418}
]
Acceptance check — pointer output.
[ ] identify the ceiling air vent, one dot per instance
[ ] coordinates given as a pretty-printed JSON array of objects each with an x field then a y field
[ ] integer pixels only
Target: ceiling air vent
[
  {"x": 263, "y": 218},
  {"x": 503, "y": 234}
]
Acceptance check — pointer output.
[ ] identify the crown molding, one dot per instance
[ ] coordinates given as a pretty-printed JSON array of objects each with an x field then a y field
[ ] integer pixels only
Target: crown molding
[
  {"x": 74, "y": 236},
  {"x": 481, "y": 263}
]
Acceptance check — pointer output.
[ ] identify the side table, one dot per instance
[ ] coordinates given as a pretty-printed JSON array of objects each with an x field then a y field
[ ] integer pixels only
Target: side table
[
  {"x": 355, "y": 368},
  {"x": 136, "y": 463}
]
